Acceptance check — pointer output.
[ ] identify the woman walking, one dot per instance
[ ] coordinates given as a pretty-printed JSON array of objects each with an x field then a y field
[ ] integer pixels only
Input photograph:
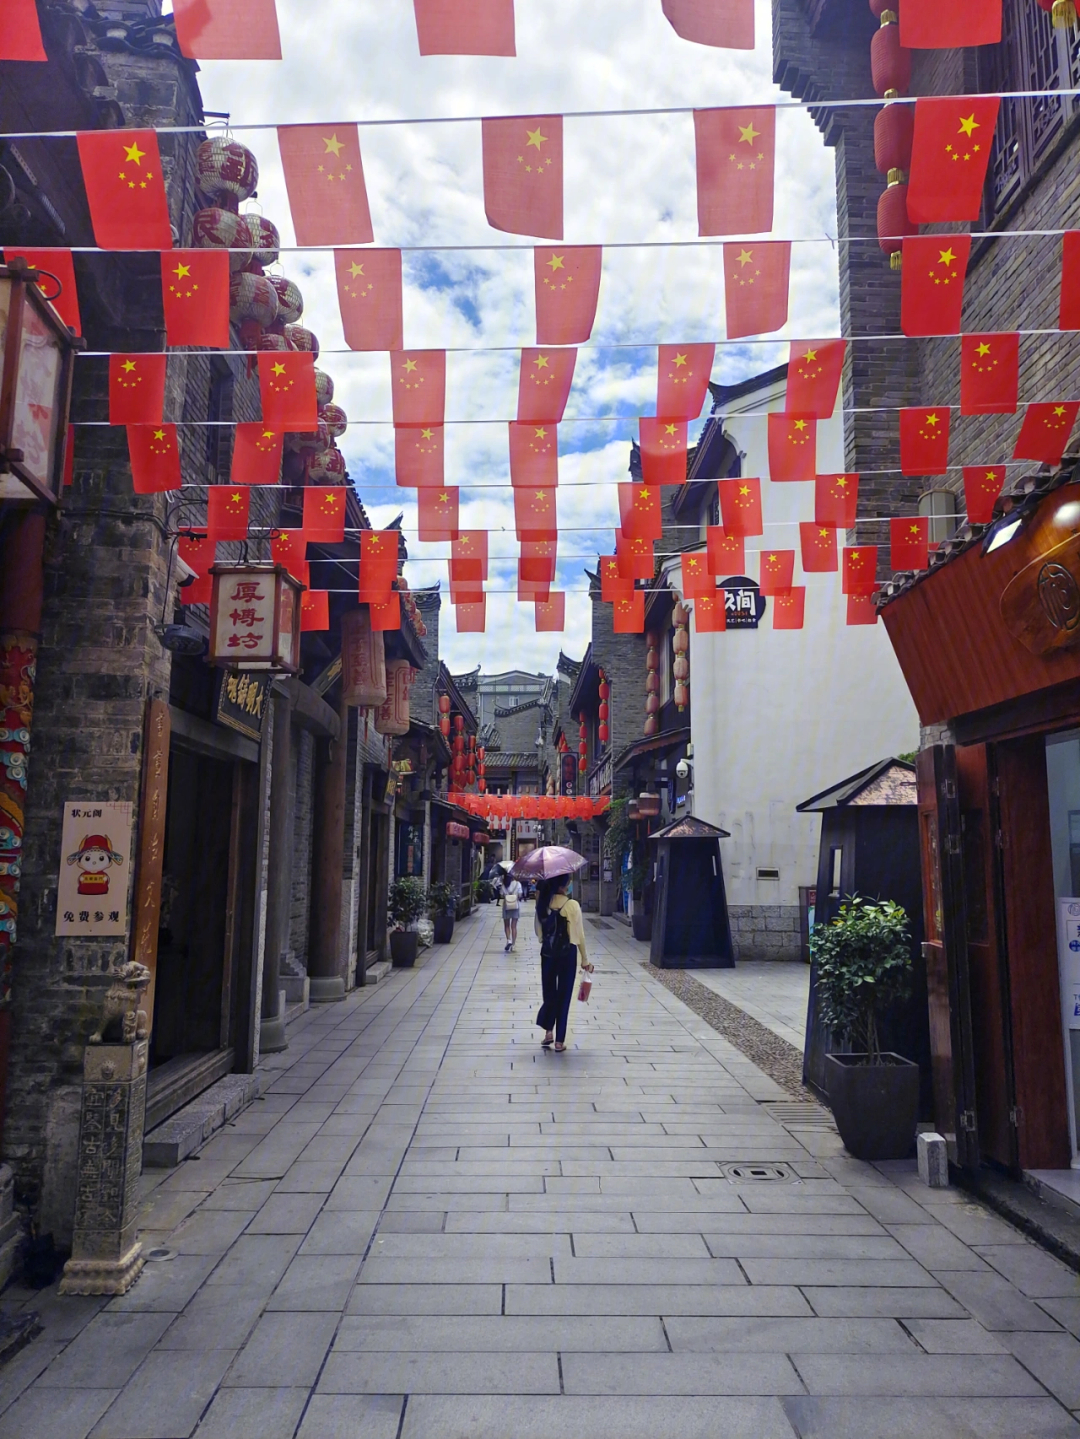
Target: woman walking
[
  {"x": 559, "y": 927},
  {"x": 512, "y": 895}
]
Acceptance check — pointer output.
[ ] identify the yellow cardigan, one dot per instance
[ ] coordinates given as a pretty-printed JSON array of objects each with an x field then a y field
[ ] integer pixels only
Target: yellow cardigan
[{"x": 571, "y": 911}]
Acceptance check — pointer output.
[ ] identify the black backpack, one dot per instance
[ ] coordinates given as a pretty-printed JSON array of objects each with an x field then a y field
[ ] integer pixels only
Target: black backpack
[{"x": 555, "y": 936}]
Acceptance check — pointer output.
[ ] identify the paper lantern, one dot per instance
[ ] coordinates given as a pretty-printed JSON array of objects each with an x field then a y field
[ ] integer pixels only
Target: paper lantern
[
  {"x": 604, "y": 711},
  {"x": 363, "y": 660},
  {"x": 892, "y": 219},
  {"x": 262, "y": 237},
  {"x": 290, "y": 300},
  {"x": 890, "y": 62},
  {"x": 459, "y": 723},
  {"x": 220, "y": 229},
  {"x": 324, "y": 388},
  {"x": 604, "y": 733},
  {"x": 271, "y": 341},
  {"x": 225, "y": 171},
  {"x": 392, "y": 716},
  {"x": 682, "y": 696},
  {"x": 652, "y": 683},
  {"x": 255, "y": 618},
  {"x": 253, "y": 305},
  {"x": 652, "y": 704},
  {"x": 444, "y": 704},
  {"x": 327, "y": 467},
  {"x": 301, "y": 339},
  {"x": 1063, "y": 12},
  {"x": 605, "y": 690},
  {"x": 336, "y": 421},
  {"x": 894, "y": 130},
  {"x": 681, "y": 645},
  {"x": 582, "y": 765}
]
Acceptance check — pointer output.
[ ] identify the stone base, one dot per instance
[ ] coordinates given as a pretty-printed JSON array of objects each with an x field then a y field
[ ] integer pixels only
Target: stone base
[
  {"x": 294, "y": 980},
  {"x": 103, "y": 1276},
  {"x": 325, "y": 989},
  {"x": 186, "y": 1131},
  {"x": 933, "y": 1160},
  {"x": 272, "y": 1038}
]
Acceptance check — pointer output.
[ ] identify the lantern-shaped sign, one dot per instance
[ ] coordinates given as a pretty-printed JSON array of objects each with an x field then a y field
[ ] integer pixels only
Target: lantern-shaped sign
[
  {"x": 392, "y": 716},
  {"x": 363, "y": 660},
  {"x": 36, "y": 350},
  {"x": 255, "y": 618},
  {"x": 648, "y": 804}
]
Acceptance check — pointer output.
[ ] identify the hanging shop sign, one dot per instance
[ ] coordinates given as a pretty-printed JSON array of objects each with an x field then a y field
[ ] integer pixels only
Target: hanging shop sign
[
  {"x": 95, "y": 865},
  {"x": 744, "y": 604},
  {"x": 1041, "y": 605},
  {"x": 255, "y": 618},
  {"x": 243, "y": 701},
  {"x": 363, "y": 659},
  {"x": 457, "y": 831}
]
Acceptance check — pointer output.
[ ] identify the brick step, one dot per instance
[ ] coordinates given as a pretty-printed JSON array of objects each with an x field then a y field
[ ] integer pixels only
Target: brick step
[{"x": 186, "y": 1131}]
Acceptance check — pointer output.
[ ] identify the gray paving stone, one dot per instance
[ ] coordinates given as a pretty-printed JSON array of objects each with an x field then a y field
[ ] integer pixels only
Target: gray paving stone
[
  {"x": 936, "y": 1247},
  {"x": 246, "y": 1194},
  {"x": 287, "y": 1214},
  {"x": 484, "y": 1417},
  {"x": 55, "y": 1413},
  {"x": 1065, "y": 1311},
  {"x": 872, "y": 1273},
  {"x": 742, "y": 1222},
  {"x": 253, "y": 1414},
  {"x": 852, "y": 1303},
  {"x": 419, "y": 1221},
  {"x": 284, "y": 1349},
  {"x": 639, "y": 1246},
  {"x": 352, "y": 1416},
  {"x": 427, "y": 1299},
  {"x": 649, "y": 1271},
  {"x": 953, "y": 1336},
  {"x": 704, "y": 1299},
  {"x": 803, "y": 1246},
  {"x": 917, "y": 1418},
  {"x": 359, "y": 1193},
  {"x": 165, "y": 1398},
  {"x": 256, "y": 1261},
  {"x": 311, "y": 1176},
  {"x": 690, "y": 1374},
  {"x": 23, "y": 1368},
  {"x": 523, "y": 1333},
  {"x": 534, "y": 1222},
  {"x": 1054, "y": 1359},
  {"x": 456, "y": 1271},
  {"x": 165, "y": 1288},
  {"x": 787, "y": 1336},
  {"x": 438, "y": 1373},
  {"x": 1034, "y": 1272},
  {"x": 219, "y": 1317},
  {"x": 340, "y": 1232},
  {"x": 316, "y": 1281},
  {"x": 897, "y": 1375},
  {"x": 973, "y": 1224},
  {"x": 210, "y": 1231},
  {"x": 995, "y": 1303},
  {"x": 470, "y": 1246},
  {"x": 107, "y": 1352}
]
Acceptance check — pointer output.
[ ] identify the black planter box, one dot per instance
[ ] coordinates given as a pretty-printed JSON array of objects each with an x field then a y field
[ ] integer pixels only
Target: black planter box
[
  {"x": 444, "y": 927},
  {"x": 876, "y": 1106},
  {"x": 404, "y": 944}
]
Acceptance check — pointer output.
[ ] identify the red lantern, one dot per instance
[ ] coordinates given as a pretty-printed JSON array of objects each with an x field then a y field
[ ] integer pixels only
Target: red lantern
[
  {"x": 604, "y": 710},
  {"x": 444, "y": 704},
  {"x": 481, "y": 784},
  {"x": 605, "y": 690},
  {"x": 459, "y": 723},
  {"x": 459, "y": 746},
  {"x": 894, "y": 129},
  {"x": 444, "y": 725},
  {"x": 582, "y": 765},
  {"x": 890, "y": 62},
  {"x": 604, "y": 733},
  {"x": 1062, "y": 11},
  {"x": 892, "y": 219}
]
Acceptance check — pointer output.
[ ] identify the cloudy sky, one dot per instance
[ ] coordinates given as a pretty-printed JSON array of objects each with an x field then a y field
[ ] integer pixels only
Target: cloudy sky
[{"x": 629, "y": 181}]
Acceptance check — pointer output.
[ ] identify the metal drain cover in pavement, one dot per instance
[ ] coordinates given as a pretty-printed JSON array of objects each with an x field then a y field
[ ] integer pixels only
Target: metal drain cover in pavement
[
  {"x": 758, "y": 1174},
  {"x": 793, "y": 1115}
]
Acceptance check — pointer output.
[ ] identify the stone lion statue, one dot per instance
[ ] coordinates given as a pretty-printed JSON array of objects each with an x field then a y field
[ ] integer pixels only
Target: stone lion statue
[{"x": 121, "y": 1003}]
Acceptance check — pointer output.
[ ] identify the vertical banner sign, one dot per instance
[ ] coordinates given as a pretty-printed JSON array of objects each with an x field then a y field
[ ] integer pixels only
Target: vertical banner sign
[
  {"x": 153, "y": 796},
  {"x": 95, "y": 861},
  {"x": 1069, "y": 970}
]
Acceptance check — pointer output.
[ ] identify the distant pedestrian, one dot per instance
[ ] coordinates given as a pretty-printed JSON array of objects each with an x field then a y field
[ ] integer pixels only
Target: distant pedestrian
[
  {"x": 561, "y": 932},
  {"x": 512, "y": 895}
]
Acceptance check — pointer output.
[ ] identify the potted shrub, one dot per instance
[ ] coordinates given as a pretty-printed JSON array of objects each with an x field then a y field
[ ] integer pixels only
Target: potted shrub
[
  {"x": 442, "y": 902},
  {"x": 641, "y": 919},
  {"x": 408, "y": 901},
  {"x": 862, "y": 964}
]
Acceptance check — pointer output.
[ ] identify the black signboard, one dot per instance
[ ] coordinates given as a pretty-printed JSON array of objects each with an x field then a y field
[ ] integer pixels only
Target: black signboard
[
  {"x": 744, "y": 604},
  {"x": 410, "y": 849},
  {"x": 243, "y": 701},
  {"x": 569, "y": 774}
]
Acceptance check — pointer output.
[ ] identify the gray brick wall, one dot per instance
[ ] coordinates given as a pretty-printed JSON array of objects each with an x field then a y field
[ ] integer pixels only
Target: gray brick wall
[{"x": 765, "y": 931}]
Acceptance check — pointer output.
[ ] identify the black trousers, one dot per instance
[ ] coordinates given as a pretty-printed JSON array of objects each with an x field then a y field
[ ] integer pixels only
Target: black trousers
[{"x": 557, "y": 978}]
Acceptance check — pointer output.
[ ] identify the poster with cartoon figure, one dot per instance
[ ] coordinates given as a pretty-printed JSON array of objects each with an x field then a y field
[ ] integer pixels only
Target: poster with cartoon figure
[{"x": 95, "y": 869}]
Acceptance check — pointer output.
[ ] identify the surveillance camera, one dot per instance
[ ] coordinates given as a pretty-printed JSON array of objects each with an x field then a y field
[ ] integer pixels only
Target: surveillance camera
[{"x": 682, "y": 769}]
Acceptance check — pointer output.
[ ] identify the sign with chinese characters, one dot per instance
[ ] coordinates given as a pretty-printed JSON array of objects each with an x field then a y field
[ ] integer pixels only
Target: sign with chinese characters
[
  {"x": 95, "y": 862},
  {"x": 243, "y": 700},
  {"x": 744, "y": 604},
  {"x": 255, "y": 618}
]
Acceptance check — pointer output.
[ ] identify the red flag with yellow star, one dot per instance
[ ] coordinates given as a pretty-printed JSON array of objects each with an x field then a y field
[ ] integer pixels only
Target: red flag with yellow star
[
  {"x": 155, "y": 458},
  {"x": 378, "y": 559},
  {"x": 287, "y": 387},
  {"x": 256, "y": 456},
  {"x": 465, "y": 27},
  {"x": 813, "y": 378},
  {"x": 197, "y": 552},
  {"x": 726, "y": 553},
  {"x": 369, "y": 298},
  {"x": 418, "y": 455},
  {"x": 1069, "y": 305},
  {"x": 639, "y": 511},
  {"x": 534, "y": 455},
  {"x": 544, "y": 382},
  {"x": 735, "y": 156},
  {"x": 989, "y": 374},
  {"x": 227, "y": 512},
  {"x": 776, "y": 571},
  {"x": 818, "y": 546},
  {"x": 315, "y": 610},
  {"x": 792, "y": 446},
  {"x": 567, "y": 279},
  {"x": 59, "y": 266},
  {"x": 710, "y": 613},
  {"x": 932, "y": 283},
  {"x": 909, "y": 542},
  {"x": 523, "y": 175},
  {"x": 551, "y": 613},
  {"x": 289, "y": 548},
  {"x": 418, "y": 386},
  {"x": 536, "y": 563},
  {"x": 836, "y": 500},
  {"x": 924, "y": 440},
  {"x": 227, "y": 29},
  {"x": 20, "y": 31},
  {"x": 195, "y": 297},
  {"x": 682, "y": 380},
  {"x": 740, "y": 507},
  {"x": 535, "y": 514},
  {"x": 635, "y": 557},
  {"x": 471, "y": 616},
  {"x": 438, "y": 513},
  {"x": 982, "y": 485},
  {"x": 628, "y": 614},
  {"x": 529, "y": 588},
  {"x": 789, "y": 608},
  {"x": 385, "y": 610},
  {"x": 696, "y": 579},
  {"x": 953, "y": 136},
  {"x": 1045, "y": 432},
  {"x": 136, "y": 389},
  {"x": 469, "y": 557},
  {"x": 124, "y": 189},
  {"x": 725, "y": 24},
  {"x": 861, "y": 609},
  {"x": 756, "y": 276},
  {"x": 663, "y": 444},
  {"x": 324, "y": 176},
  {"x": 324, "y": 514},
  {"x": 860, "y": 569},
  {"x": 612, "y": 584},
  {"x": 949, "y": 24}
]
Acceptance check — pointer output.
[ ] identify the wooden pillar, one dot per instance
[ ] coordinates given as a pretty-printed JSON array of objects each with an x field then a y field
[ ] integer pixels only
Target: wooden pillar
[
  {"x": 326, "y": 968},
  {"x": 279, "y": 896}
]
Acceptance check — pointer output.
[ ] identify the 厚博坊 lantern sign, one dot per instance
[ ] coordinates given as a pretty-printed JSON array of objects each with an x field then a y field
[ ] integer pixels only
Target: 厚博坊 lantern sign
[{"x": 255, "y": 618}]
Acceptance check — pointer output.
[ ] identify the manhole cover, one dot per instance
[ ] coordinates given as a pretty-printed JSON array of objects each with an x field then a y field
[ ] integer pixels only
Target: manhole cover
[
  {"x": 758, "y": 1174},
  {"x": 160, "y": 1254}
]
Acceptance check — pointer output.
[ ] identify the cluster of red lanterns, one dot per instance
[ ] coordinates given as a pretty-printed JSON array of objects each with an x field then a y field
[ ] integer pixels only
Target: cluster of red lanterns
[
  {"x": 582, "y": 744},
  {"x": 894, "y": 128},
  {"x": 458, "y": 745},
  {"x": 604, "y": 732},
  {"x": 681, "y": 668},
  {"x": 502, "y": 807},
  {"x": 444, "y": 716},
  {"x": 652, "y": 683},
  {"x": 481, "y": 770}
]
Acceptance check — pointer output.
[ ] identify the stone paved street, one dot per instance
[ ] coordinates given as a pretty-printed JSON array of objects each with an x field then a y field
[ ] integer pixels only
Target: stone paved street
[{"x": 429, "y": 1227}]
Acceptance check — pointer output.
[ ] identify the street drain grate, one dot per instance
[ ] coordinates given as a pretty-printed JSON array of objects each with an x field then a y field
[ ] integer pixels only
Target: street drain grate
[
  {"x": 160, "y": 1255},
  {"x": 759, "y": 1174},
  {"x": 799, "y": 1116}
]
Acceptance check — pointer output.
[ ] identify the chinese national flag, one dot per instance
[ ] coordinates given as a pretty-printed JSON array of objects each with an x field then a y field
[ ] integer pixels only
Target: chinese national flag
[
  {"x": 740, "y": 507},
  {"x": 776, "y": 572},
  {"x": 1045, "y": 432},
  {"x": 544, "y": 384},
  {"x": 438, "y": 513},
  {"x": 385, "y": 610},
  {"x": 535, "y": 516},
  {"x": 418, "y": 380},
  {"x": 813, "y": 378},
  {"x": 567, "y": 288},
  {"x": 696, "y": 579},
  {"x": 756, "y": 287},
  {"x": 551, "y": 613},
  {"x": 324, "y": 514},
  {"x": 289, "y": 548},
  {"x": 532, "y": 589},
  {"x": 471, "y": 616},
  {"x": 612, "y": 584},
  {"x": 635, "y": 558},
  {"x": 227, "y": 512},
  {"x": 818, "y": 546},
  {"x": 932, "y": 283},
  {"x": 836, "y": 500},
  {"x": 537, "y": 562},
  {"x": 789, "y": 608},
  {"x": 197, "y": 552},
  {"x": 195, "y": 296},
  {"x": 952, "y": 142},
  {"x": 909, "y": 542},
  {"x": 924, "y": 440},
  {"x": 663, "y": 444},
  {"x": 792, "y": 446},
  {"x": 1069, "y": 311},
  {"x": 418, "y": 455},
  {"x": 861, "y": 609},
  {"x": 287, "y": 387},
  {"x": 465, "y": 27},
  {"x": 124, "y": 189},
  {"x": 949, "y": 24},
  {"x": 136, "y": 389},
  {"x": 726, "y": 553},
  {"x": 465, "y": 592},
  {"x": 369, "y": 298},
  {"x": 860, "y": 569},
  {"x": 523, "y": 175},
  {"x": 628, "y": 614},
  {"x": 256, "y": 456},
  {"x": 725, "y": 24},
  {"x": 324, "y": 176},
  {"x": 639, "y": 511},
  {"x": 20, "y": 31},
  {"x": 155, "y": 458},
  {"x": 534, "y": 456},
  {"x": 989, "y": 374},
  {"x": 735, "y": 152},
  {"x": 58, "y": 264},
  {"x": 982, "y": 485},
  {"x": 227, "y": 29},
  {"x": 315, "y": 610},
  {"x": 378, "y": 559},
  {"x": 710, "y": 614},
  {"x": 469, "y": 557},
  {"x": 682, "y": 380}
]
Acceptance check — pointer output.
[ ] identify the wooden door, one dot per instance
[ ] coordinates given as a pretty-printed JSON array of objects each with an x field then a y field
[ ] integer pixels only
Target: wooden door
[{"x": 945, "y": 951}]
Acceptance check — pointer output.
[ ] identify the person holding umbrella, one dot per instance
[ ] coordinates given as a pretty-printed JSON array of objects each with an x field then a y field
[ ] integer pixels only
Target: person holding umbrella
[{"x": 561, "y": 931}]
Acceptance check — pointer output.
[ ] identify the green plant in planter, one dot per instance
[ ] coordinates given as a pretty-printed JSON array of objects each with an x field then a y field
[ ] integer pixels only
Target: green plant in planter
[
  {"x": 408, "y": 901},
  {"x": 862, "y": 965},
  {"x": 441, "y": 898}
]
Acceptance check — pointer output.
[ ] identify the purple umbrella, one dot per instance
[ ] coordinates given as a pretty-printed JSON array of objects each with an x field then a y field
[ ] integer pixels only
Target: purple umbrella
[{"x": 547, "y": 862}]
